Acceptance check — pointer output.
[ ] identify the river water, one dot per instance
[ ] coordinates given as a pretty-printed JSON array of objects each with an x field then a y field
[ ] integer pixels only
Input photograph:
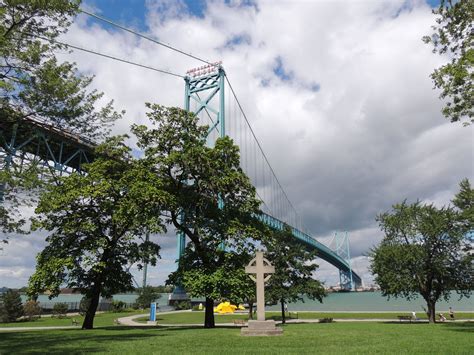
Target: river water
[{"x": 343, "y": 302}]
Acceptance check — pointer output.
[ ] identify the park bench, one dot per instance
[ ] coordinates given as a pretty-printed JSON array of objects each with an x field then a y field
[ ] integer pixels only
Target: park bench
[
  {"x": 239, "y": 322},
  {"x": 74, "y": 321},
  {"x": 401, "y": 318},
  {"x": 116, "y": 321}
]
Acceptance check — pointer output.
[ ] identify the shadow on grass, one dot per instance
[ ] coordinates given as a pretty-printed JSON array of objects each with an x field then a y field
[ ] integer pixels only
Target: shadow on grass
[
  {"x": 467, "y": 327},
  {"x": 70, "y": 341},
  {"x": 415, "y": 322}
]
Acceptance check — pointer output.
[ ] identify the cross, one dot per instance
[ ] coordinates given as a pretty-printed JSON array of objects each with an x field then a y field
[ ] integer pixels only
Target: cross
[{"x": 260, "y": 266}]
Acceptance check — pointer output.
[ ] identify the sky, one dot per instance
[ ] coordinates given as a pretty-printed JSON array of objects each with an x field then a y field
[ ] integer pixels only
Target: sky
[{"x": 338, "y": 93}]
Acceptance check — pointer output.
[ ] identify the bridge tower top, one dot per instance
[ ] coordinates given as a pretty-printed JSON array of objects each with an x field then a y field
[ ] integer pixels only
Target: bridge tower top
[{"x": 204, "y": 96}]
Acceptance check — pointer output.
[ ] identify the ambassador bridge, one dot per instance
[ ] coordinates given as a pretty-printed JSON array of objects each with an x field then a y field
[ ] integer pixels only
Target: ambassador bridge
[{"x": 209, "y": 95}]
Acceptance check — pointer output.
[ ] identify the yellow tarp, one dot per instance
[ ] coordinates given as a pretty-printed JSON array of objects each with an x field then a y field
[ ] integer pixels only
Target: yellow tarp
[{"x": 225, "y": 307}]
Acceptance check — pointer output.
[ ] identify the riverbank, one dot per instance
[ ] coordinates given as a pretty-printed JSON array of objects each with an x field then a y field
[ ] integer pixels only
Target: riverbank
[{"x": 335, "y": 302}]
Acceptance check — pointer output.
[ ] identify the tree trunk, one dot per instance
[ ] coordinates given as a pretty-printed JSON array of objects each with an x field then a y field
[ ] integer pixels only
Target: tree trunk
[
  {"x": 250, "y": 310},
  {"x": 90, "y": 313},
  {"x": 432, "y": 311},
  {"x": 209, "y": 316},
  {"x": 283, "y": 318}
]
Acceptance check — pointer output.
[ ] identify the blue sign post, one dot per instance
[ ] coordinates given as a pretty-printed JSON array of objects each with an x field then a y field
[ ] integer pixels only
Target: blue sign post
[{"x": 153, "y": 312}]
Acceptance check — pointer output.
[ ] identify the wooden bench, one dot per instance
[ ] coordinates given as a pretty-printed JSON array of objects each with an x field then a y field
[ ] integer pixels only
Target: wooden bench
[
  {"x": 74, "y": 321},
  {"x": 239, "y": 322},
  {"x": 400, "y": 318}
]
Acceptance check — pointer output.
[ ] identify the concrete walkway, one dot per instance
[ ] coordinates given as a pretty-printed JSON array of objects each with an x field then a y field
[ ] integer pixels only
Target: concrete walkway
[{"x": 130, "y": 321}]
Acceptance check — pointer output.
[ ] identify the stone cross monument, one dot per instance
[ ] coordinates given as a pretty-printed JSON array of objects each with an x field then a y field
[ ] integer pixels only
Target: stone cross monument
[
  {"x": 260, "y": 266},
  {"x": 262, "y": 269}
]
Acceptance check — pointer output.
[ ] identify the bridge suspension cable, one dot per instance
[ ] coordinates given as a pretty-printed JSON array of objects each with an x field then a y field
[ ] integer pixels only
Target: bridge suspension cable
[
  {"x": 106, "y": 55},
  {"x": 255, "y": 163},
  {"x": 110, "y": 22}
]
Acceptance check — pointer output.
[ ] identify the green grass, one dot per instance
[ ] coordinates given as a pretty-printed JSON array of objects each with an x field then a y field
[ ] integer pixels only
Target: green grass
[
  {"x": 198, "y": 317},
  {"x": 101, "y": 320},
  {"x": 337, "y": 338}
]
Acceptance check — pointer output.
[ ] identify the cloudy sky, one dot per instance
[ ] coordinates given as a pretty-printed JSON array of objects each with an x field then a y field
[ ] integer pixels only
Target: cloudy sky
[{"x": 338, "y": 93}]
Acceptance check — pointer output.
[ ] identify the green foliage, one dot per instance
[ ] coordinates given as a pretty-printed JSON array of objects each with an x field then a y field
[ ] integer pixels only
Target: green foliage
[
  {"x": 196, "y": 308},
  {"x": 212, "y": 201},
  {"x": 424, "y": 251},
  {"x": 146, "y": 295},
  {"x": 294, "y": 268},
  {"x": 118, "y": 306},
  {"x": 32, "y": 82},
  {"x": 17, "y": 190},
  {"x": 60, "y": 310},
  {"x": 464, "y": 202},
  {"x": 95, "y": 221},
  {"x": 11, "y": 307},
  {"x": 182, "y": 305},
  {"x": 226, "y": 282},
  {"x": 32, "y": 310},
  {"x": 454, "y": 35}
]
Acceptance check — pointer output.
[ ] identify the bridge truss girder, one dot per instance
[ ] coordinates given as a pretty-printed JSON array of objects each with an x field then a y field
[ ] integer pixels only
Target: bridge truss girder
[{"x": 26, "y": 141}]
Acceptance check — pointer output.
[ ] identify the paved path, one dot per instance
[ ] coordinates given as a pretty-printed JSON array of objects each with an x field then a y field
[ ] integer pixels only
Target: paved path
[{"x": 130, "y": 321}]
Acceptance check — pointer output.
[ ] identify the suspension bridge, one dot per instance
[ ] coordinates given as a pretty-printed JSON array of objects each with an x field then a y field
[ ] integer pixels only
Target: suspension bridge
[{"x": 210, "y": 96}]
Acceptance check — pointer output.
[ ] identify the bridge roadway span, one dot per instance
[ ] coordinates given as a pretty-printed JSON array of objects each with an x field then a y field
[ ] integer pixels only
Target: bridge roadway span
[{"x": 22, "y": 133}]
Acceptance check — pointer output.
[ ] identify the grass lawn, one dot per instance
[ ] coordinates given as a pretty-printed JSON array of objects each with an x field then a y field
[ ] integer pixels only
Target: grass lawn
[
  {"x": 100, "y": 320},
  {"x": 342, "y": 338},
  {"x": 198, "y": 317}
]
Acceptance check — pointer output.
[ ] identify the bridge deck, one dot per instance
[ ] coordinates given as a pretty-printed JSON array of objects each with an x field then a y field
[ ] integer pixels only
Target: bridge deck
[
  {"x": 31, "y": 136},
  {"x": 323, "y": 251}
]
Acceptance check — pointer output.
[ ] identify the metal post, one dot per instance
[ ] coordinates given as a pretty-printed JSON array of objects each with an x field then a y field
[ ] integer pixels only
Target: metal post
[{"x": 145, "y": 266}]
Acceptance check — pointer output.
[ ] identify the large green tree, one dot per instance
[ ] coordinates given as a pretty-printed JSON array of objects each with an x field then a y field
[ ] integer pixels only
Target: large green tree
[
  {"x": 425, "y": 251},
  {"x": 95, "y": 223},
  {"x": 226, "y": 281},
  {"x": 454, "y": 35},
  {"x": 33, "y": 84},
  {"x": 294, "y": 270},
  {"x": 213, "y": 201}
]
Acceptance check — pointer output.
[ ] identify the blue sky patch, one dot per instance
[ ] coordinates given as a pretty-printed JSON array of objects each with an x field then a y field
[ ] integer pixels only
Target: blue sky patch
[
  {"x": 280, "y": 71},
  {"x": 236, "y": 40}
]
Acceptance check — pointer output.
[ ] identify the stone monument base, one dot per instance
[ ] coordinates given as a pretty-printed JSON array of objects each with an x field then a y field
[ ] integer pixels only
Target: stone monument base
[{"x": 261, "y": 328}]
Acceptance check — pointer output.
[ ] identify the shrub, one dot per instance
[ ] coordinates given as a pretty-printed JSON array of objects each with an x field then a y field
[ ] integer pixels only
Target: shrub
[
  {"x": 182, "y": 305},
  {"x": 11, "y": 308},
  {"x": 32, "y": 310},
  {"x": 60, "y": 310},
  {"x": 117, "y": 306},
  {"x": 146, "y": 296}
]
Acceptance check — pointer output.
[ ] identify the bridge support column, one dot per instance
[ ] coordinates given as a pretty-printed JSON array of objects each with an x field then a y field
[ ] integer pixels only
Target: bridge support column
[
  {"x": 342, "y": 249},
  {"x": 204, "y": 86}
]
